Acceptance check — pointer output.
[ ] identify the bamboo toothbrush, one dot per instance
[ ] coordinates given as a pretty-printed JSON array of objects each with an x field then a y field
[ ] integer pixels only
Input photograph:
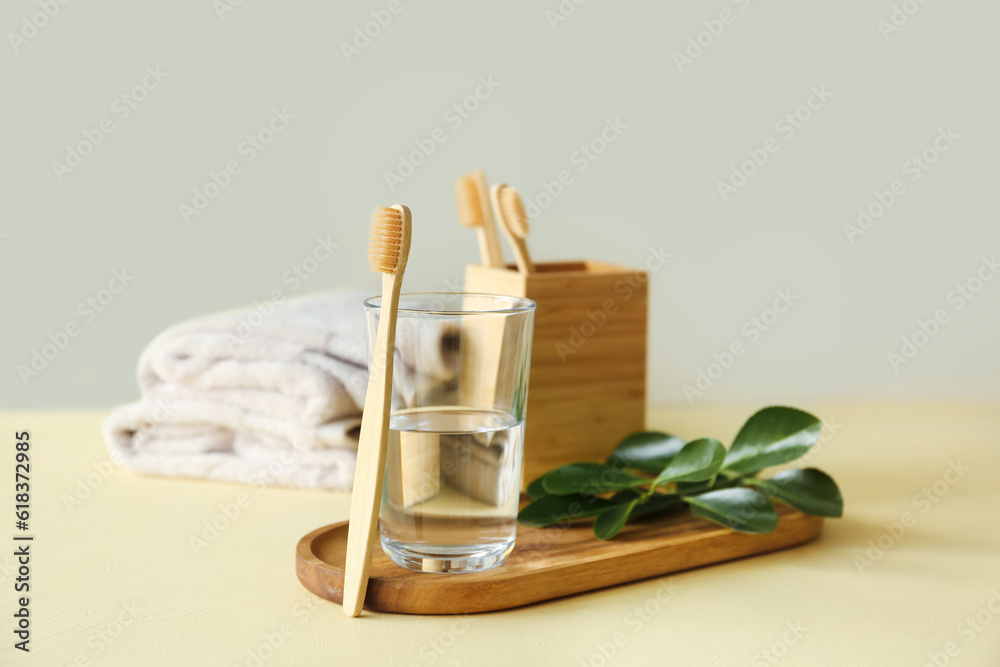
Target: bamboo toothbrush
[
  {"x": 388, "y": 249},
  {"x": 509, "y": 209},
  {"x": 472, "y": 199}
]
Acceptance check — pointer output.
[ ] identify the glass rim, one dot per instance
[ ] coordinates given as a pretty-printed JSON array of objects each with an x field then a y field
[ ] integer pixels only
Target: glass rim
[{"x": 513, "y": 304}]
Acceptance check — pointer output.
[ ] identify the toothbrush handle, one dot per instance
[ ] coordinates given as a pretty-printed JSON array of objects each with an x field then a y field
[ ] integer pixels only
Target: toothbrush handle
[
  {"x": 485, "y": 249},
  {"x": 521, "y": 255},
  {"x": 489, "y": 241},
  {"x": 369, "y": 471}
]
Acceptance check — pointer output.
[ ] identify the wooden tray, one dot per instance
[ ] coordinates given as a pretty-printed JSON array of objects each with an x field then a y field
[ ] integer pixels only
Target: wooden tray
[{"x": 546, "y": 563}]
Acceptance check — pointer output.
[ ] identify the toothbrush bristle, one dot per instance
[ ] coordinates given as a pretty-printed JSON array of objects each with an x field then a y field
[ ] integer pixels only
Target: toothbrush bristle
[
  {"x": 514, "y": 213},
  {"x": 468, "y": 201},
  {"x": 384, "y": 240}
]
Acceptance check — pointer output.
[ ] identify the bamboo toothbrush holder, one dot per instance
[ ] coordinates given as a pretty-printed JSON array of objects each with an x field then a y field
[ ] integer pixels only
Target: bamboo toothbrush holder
[{"x": 587, "y": 388}]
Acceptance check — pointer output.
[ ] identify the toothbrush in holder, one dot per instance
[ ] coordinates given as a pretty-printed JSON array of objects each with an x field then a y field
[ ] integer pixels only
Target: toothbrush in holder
[
  {"x": 509, "y": 208},
  {"x": 472, "y": 200},
  {"x": 388, "y": 249}
]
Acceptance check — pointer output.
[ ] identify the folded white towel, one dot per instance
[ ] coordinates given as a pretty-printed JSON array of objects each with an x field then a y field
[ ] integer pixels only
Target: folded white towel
[
  {"x": 302, "y": 360},
  {"x": 267, "y": 395}
]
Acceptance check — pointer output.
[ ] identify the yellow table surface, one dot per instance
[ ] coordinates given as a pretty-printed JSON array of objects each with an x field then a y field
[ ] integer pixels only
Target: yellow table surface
[{"x": 115, "y": 580}]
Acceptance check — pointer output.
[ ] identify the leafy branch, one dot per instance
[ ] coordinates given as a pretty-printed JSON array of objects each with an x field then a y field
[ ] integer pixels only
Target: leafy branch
[{"x": 652, "y": 473}]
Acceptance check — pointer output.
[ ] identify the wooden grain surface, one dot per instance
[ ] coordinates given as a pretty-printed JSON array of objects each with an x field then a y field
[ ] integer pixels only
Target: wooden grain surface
[
  {"x": 588, "y": 357},
  {"x": 546, "y": 564},
  {"x": 114, "y": 556}
]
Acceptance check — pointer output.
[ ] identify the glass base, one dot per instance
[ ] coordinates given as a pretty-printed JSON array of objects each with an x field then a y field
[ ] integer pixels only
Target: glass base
[{"x": 446, "y": 559}]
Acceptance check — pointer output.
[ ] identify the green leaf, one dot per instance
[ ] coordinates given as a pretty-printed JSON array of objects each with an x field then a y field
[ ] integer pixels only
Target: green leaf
[
  {"x": 743, "y": 510},
  {"x": 771, "y": 437},
  {"x": 810, "y": 490},
  {"x": 658, "y": 502},
  {"x": 611, "y": 521},
  {"x": 625, "y": 495},
  {"x": 648, "y": 451},
  {"x": 691, "y": 488},
  {"x": 589, "y": 478},
  {"x": 698, "y": 461},
  {"x": 558, "y": 509},
  {"x": 535, "y": 490}
]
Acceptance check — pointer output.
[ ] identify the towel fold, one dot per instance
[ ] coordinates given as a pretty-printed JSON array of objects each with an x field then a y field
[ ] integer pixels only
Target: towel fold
[
  {"x": 266, "y": 395},
  {"x": 301, "y": 360}
]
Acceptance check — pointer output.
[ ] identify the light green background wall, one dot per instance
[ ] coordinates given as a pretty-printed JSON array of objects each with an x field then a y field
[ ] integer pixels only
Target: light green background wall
[{"x": 655, "y": 186}]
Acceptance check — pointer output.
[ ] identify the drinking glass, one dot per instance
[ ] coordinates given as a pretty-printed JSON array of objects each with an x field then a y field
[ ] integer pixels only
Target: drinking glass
[{"x": 456, "y": 429}]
